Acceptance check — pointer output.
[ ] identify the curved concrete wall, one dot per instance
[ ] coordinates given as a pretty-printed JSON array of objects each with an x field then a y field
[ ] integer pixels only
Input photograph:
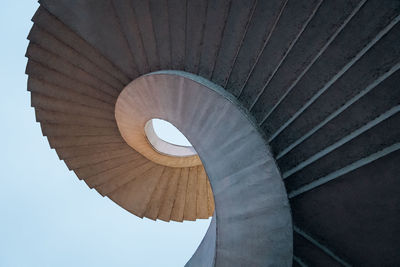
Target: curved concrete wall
[
  {"x": 205, "y": 253},
  {"x": 252, "y": 220},
  {"x": 319, "y": 77}
]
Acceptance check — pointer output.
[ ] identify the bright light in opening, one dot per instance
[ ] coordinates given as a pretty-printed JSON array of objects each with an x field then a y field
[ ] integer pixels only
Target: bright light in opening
[{"x": 169, "y": 133}]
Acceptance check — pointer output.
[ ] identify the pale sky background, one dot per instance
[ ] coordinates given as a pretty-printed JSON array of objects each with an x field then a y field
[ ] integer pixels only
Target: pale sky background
[
  {"x": 168, "y": 132},
  {"x": 47, "y": 216}
]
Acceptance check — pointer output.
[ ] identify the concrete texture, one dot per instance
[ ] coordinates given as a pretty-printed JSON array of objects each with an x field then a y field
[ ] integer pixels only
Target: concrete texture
[
  {"x": 205, "y": 253},
  {"x": 319, "y": 77},
  {"x": 251, "y": 203}
]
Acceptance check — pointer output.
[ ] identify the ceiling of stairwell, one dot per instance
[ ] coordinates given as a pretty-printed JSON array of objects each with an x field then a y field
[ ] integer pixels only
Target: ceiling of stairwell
[{"x": 320, "y": 78}]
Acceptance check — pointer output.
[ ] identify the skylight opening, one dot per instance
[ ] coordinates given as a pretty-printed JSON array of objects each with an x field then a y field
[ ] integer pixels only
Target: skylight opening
[
  {"x": 169, "y": 133},
  {"x": 167, "y": 139}
]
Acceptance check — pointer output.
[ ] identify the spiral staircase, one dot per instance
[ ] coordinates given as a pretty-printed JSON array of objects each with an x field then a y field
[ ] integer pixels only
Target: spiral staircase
[{"x": 293, "y": 107}]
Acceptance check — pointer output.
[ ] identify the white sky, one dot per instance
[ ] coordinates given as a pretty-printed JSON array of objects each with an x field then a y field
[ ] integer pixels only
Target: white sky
[
  {"x": 47, "y": 216},
  {"x": 168, "y": 132}
]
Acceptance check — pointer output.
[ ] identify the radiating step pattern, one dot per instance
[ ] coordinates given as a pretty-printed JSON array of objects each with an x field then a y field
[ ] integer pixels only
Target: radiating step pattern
[
  {"x": 319, "y": 77},
  {"x": 73, "y": 90}
]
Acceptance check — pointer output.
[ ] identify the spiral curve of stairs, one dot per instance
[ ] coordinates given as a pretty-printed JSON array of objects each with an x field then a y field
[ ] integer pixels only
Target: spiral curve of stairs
[{"x": 313, "y": 83}]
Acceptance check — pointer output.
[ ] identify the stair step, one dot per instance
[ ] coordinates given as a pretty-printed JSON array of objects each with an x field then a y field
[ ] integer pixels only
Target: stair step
[
  {"x": 53, "y": 104},
  {"x": 170, "y": 195},
  {"x": 119, "y": 172},
  {"x": 47, "y": 116},
  {"x": 196, "y": 10},
  {"x": 377, "y": 43},
  {"x": 260, "y": 28},
  {"x": 135, "y": 195},
  {"x": 54, "y": 91},
  {"x": 143, "y": 18},
  {"x": 97, "y": 168},
  {"x": 179, "y": 203},
  {"x": 70, "y": 152},
  {"x": 210, "y": 198},
  {"x": 103, "y": 32},
  {"x": 132, "y": 33},
  {"x": 59, "y": 64},
  {"x": 41, "y": 72},
  {"x": 322, "y": 30},
  {"x": 202, "y": 201},
  {"x": 62, "y": 32},
  {"x": 119, "y": 181},
  {"x": 381, "y": 133},
  {"x": 57, "y": 47},
  {"x": 76, "y": 141},
  {"x": 157, "y": 197},
  {"x": 346, "y": 122},
  {"x": 53, "y": 129},
  {"x": 83, "y": 161},
  {"x": 177, "y": 18},
  {"x": 236, "y": 26},
  {"x": 217, "y": 12},
  {"x": 191, "y": 196},
  {"x": 286, "y": 32},
  {"x": 160, "y": 21}
]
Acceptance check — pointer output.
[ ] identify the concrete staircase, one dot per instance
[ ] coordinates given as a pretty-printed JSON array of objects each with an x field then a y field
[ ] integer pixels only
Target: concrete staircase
[{"x": 320, "y": 78}]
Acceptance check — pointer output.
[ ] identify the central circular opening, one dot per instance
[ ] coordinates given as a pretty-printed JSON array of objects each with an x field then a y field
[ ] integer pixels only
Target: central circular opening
[
  {"x": 166, "y": 139},
  {"x": 169, "y": 133}
]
